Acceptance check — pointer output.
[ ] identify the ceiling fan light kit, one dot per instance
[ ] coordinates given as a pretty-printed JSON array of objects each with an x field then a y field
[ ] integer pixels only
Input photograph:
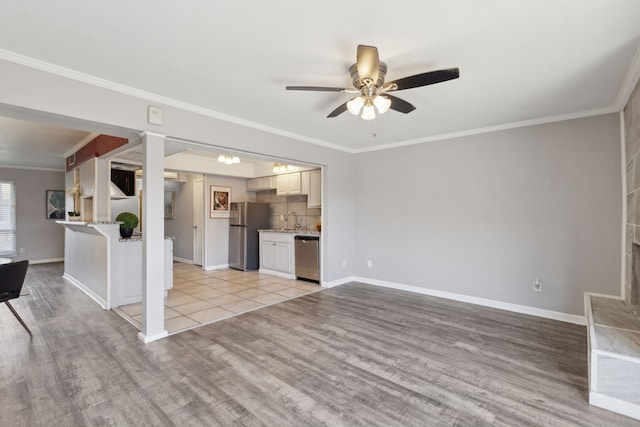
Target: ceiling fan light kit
[{"x": 367, "y": 76}]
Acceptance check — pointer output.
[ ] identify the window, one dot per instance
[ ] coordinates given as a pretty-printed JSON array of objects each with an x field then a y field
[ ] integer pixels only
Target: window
[{"x": 7, "y": 218}]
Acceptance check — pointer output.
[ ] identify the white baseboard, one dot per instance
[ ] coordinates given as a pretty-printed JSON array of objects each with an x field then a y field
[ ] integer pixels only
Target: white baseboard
[
  {"x": 615, "y": 405},
  {"x": 215, "y": 267},
  {"x": 339, "y": 282},
  {"x": 147, "y": 339},
  {"x": 97, "y": 298},
  {"x": 184, "y": 260},
  {"x": 516, "y": 308},
  {"x": 45, "y": 261}
]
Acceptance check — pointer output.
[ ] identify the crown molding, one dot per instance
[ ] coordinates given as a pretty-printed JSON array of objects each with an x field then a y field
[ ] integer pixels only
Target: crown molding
[
  {"x": 149, "y": 96},
  {"x": 35, "y": 168},
  {"x": 489, "y": 129},
  {"x": 631, "y": 79}
]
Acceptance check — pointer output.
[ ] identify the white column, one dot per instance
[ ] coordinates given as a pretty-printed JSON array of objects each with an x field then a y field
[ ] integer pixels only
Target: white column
[
  {"x": 152, "y": 238},
  {"x": 101, "y": 193}
]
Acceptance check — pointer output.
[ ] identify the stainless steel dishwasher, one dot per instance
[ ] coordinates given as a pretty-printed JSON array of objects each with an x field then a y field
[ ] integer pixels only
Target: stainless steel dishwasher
[{"x": 307, "y": 259}]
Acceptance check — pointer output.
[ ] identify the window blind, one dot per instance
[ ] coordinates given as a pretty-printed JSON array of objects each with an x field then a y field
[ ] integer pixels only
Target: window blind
[{"x": 7, "y": 217}]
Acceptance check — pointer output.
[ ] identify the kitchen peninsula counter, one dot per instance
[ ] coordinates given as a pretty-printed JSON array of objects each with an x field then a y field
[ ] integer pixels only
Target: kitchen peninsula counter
[{"x": 105, "y": 266}]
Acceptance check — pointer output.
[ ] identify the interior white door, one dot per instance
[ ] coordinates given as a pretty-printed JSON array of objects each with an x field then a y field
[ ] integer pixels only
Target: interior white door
[{"x": 198, "y": 222}]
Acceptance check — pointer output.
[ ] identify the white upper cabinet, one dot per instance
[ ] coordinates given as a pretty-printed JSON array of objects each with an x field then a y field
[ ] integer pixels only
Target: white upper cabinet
[
  {"x": 312, "y": 187},
  {"x": 259, "y": 184},
  {"x": 288, "y": 183}
]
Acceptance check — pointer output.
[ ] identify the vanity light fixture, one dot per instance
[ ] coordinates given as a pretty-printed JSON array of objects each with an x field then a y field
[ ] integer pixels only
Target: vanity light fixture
[
  {"x": 280, "y": 168},
  {"x": 228, "y": 160}
]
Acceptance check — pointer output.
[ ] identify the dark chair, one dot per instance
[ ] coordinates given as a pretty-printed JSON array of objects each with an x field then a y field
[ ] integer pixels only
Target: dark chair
[{"x": 11, "y": 281}]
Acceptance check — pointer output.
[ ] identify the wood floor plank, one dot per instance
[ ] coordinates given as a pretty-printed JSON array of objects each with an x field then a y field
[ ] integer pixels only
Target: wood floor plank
[{"x": 354, "y": 355}]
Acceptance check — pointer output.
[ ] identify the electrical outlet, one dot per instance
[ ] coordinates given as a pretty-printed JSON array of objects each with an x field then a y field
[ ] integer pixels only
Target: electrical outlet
[
  {"x": 537, "y": 285},
  {"x": 370, "y": 264},
  {"x": 22, "y": 250}
]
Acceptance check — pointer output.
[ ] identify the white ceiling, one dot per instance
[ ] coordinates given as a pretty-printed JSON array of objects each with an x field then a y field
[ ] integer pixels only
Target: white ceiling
[{"x": 520, "y": 61}]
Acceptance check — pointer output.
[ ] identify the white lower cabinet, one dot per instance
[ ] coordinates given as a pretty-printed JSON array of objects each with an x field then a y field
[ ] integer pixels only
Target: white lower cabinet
[{"x": 276, "y": 253}]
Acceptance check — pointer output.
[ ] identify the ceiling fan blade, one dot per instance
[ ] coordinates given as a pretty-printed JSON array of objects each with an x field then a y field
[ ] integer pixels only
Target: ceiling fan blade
[
  {"x": 341, "y": 109},
  {"x": 368, "y": 64},
  {"x": 424, "y": 79},
  {"x": 317, "y": 88},
  {"x": 400, "y": 104}
]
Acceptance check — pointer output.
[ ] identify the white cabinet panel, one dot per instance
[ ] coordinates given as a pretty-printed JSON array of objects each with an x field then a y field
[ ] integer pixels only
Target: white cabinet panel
[
  {"x": 314, "y": 196},
  {"x": 276, "y": 253},
  {"x": 259, "y": 184},
  {"x": 288, "y": 184}
]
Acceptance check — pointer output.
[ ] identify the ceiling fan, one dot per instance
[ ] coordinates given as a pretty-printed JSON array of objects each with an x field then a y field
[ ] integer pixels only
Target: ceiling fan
[{"x": 368, "y": 75}]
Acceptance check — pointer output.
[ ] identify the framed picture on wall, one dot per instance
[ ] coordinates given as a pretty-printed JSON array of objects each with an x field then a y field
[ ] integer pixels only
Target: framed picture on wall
[
  {"x": 220, "y": 199},
  {"x": 55, "y": 204},
  {"x": 168, "y": 204}
]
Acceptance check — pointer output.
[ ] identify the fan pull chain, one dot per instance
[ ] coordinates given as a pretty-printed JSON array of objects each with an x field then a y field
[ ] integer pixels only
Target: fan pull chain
[{"x": 371, "y": 128}]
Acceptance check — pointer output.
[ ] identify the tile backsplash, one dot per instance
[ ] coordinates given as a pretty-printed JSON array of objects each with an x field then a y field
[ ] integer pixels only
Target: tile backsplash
[{"x": 280, "y": 205}]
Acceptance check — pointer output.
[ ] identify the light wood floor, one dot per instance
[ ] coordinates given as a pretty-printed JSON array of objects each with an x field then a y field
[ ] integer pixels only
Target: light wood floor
[{"x": 354, "y": 355}]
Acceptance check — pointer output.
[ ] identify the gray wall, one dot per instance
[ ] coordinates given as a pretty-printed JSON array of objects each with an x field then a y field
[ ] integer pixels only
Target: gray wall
[
  {"x": 632, "y": 148},
  {"x": 485, "y": 215},
  {"x": 42, "y": 238}
]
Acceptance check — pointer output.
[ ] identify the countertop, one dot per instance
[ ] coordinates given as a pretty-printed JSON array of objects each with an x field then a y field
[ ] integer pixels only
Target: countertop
[{"x": 290, "y": 231}]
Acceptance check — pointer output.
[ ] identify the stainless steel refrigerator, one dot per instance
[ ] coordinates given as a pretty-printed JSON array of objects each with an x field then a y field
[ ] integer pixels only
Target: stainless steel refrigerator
[{"x": 246, "y": 218}]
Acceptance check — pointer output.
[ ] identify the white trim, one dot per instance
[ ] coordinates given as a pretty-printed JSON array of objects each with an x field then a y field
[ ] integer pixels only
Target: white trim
[
  {"x": 183, "y": 260},
  {"x": 84, "y": 141},
  {"x": 632, "y": 76},
  {"x": 339, "y": 282},
  {"x": 149, "y": 96},
  {"x": 630, "y": 82},
  {"x": 615, "y": 405},
  {"x": 516, "y": 308},
  {"x": 489, "y": 129},
  {"x": 45, "y": 261},
  {"x": 623, "y": 172},
  {"x": 145, "y": 133},
  {"x": 147, "y": 339},
  {"x": 32, "y": 168},
  {"x": 595, "y": 294},
  {"x": 97, "y": 298},
  {"x": 215, "y": 267},
  {"x": 619, "y": 356}
]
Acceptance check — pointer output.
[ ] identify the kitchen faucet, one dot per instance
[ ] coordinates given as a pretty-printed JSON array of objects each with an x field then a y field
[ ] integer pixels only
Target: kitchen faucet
[{"x": 286, "y": 217}]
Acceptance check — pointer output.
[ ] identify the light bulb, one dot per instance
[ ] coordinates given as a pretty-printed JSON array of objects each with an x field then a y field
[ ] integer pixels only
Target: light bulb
[
  {"x": 382, "y": 104},
  {"x": 221, "y": 158},
  {"x": 228, "y": 160},
  {"x": 235, "y": 159},
  {"x": 355, "y": 105},
  {"x": 368, "y": 113}
]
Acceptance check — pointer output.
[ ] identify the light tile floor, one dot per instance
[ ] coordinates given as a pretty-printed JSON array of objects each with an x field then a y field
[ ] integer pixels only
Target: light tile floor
[{"x": 199, "y": 297}]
